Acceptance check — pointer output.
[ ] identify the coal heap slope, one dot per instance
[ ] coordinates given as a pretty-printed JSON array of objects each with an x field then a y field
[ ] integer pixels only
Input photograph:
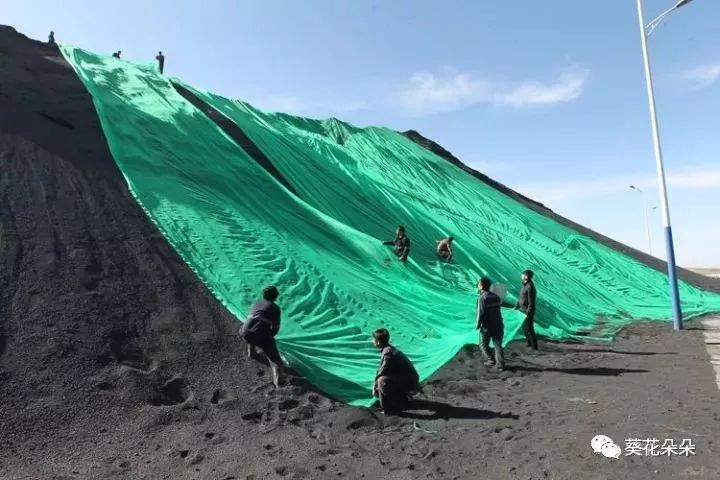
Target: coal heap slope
[{"x": 97, "y": 312}]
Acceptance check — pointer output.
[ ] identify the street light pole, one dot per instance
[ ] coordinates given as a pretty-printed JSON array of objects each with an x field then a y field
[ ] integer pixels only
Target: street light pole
[
  {"x": 672, "y": 270},
  {"x": 647, "y": 218}
]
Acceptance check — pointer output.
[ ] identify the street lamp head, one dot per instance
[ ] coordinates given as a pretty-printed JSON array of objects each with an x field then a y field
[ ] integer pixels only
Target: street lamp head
[{"x": 650, "y": 27}]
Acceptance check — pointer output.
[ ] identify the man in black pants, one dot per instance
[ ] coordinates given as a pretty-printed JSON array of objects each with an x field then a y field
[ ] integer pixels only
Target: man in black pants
[
  {"x": 260, "y": 328},
  {"x": 395, "y": 378},
  {"x": 161, "y": 62},
  {"x": 490, "y": 324},
  {"x": 444, "y": 248},
  {"x": 526, "y": 304},
  {"x": 401, "y": 244}
]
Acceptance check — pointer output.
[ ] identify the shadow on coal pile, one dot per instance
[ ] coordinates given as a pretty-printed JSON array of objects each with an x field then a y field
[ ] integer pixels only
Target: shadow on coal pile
[
  {"x": 605, "y": 350},
  {"x": 446, "y": 411},
  {"x": 599, "y": 371}
]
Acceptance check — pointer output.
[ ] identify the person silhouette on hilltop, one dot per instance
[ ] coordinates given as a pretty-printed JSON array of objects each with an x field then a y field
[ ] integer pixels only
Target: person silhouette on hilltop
[{"x": 161, "y": 61}]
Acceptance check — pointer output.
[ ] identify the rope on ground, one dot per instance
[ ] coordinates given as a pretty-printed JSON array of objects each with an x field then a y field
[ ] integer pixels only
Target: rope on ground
[
  {"x": 418, "y": 427},
  {"x": 680, "y": 430}
]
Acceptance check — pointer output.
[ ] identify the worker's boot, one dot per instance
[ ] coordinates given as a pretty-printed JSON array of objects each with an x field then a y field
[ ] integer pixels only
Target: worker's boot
[
  {"x": 488, "y": 361},
  {"x": 499, "y": 358},
  {"x": 276, "y": 375}
]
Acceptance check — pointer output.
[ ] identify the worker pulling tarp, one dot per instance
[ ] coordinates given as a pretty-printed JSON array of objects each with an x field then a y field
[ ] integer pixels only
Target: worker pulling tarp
[{"x": 239, "y": 228}]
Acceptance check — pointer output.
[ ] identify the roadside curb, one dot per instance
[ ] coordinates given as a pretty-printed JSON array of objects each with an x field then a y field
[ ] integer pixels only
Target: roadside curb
[{"x": 711, "y": 332}]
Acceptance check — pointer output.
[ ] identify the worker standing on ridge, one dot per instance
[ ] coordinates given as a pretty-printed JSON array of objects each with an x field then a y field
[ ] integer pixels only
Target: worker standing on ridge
[
  {"x": 117, "y": 54},
  {"x": 51, "y": 38},
  {"x": 260, "y": 328},
  {"x": 444, "y": 248},
  {"x": 396, "y": 377},
  {"x": 161, "y": 61},
  {"x": 490, "y": 324},
  {"x": 526, "y": 304},
  {"x": 401, "y": 244}
]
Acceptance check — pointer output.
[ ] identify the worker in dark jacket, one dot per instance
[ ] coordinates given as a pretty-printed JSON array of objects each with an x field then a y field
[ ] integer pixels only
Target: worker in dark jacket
[
  {"x": 444, "y": 248},
  {"x": 490, "y": 324},
  {"x": 161, "y": 62},
  {"x": 401, "y": 244},
  {"x": 526, "y": 304},
  {"x": 51, "y": 38},
  {"x": 396, "y": 377},
  {"x": 117, "y": 54},
  {"x": 260, "y": 328}
]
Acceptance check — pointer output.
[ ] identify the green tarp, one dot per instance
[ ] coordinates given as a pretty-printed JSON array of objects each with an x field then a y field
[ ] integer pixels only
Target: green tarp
[{"x": 239, "y": 228}]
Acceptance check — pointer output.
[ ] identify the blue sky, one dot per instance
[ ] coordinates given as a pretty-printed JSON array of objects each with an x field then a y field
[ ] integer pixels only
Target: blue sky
[{"x": 547, "y": 97}]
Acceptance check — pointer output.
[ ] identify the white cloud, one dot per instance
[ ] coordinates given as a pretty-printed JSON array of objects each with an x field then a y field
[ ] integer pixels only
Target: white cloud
[
  {"x": 700, "y": 177},
  {"x": 708, "y": 178},
  {"x": 568, "y": 87},
  {"x": 704, "y": 75},
  {"x": 448, "y": 90},
  {"x": 432, "y": 93},
  {"x": 428, "y": 91}
]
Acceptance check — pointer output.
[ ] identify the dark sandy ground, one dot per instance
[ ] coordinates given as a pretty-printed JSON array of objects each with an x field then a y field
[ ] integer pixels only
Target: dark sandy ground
[
  {"x": 117, "y": 363},
  {"x": 534, "y": 421}
]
